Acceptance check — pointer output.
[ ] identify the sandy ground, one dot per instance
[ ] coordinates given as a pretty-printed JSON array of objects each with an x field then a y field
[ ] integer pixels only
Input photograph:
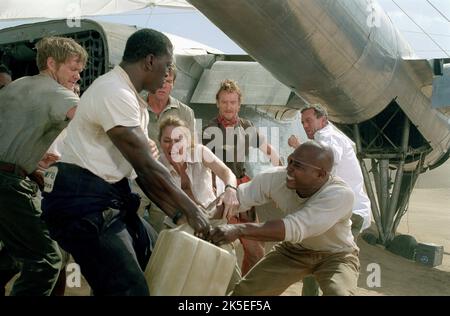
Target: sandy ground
[{"x": 428, "y": 220}]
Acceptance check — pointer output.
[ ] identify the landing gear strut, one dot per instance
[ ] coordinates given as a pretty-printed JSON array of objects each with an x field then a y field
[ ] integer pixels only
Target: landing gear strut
[{"x": 391, "y": 153}]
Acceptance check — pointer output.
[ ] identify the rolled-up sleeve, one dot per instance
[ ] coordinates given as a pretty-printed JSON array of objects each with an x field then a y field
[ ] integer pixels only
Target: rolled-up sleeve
[
  {"x": 61, "y": 101},
  {"x": 319, "y": 214}
]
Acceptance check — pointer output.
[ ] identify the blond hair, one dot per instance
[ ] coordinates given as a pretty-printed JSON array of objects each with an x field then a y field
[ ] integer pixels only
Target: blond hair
[
  {"x": 60, "y": 49},
  {"x": 176, "y": 122},
  {"x": 229, "y": 86}
]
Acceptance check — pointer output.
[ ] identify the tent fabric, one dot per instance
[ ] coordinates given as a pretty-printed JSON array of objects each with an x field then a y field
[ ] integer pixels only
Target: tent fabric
[{"x": 59, "y": 9}]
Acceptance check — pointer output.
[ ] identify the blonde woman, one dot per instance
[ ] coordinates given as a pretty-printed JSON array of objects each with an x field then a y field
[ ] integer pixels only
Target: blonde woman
[{"x": 192, "y": 166}]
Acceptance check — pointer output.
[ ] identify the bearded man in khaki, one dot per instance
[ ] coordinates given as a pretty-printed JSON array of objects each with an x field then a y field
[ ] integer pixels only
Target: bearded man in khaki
[{"x": 315, "y": 235}]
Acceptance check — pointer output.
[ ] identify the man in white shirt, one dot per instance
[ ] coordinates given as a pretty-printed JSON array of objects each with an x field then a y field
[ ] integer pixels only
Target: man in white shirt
[
  {"x": 315, "y": 234},
  {"x": 346, "y": 166},
  {"x": 87, "y": 202}
]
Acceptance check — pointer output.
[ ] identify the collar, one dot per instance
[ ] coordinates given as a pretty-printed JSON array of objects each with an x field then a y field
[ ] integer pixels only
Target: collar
[
  {"x": 225, "y": 123},
  {"x": 168, "y": 165},
  {"x": 123, "y": 74},
  {"x": 331, "y": 178},
  {"x": 172, "y": 104},
  {"x": 323, "y": 130}
]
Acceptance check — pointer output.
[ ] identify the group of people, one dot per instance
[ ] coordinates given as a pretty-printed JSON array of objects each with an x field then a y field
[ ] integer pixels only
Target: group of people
[{"x": 127, "y": 134}]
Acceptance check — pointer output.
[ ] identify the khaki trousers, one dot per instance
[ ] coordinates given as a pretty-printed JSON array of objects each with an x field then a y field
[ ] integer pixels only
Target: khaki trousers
[
  {"x": 285, "y": 264},
  {"x": 310, "y": 286}
]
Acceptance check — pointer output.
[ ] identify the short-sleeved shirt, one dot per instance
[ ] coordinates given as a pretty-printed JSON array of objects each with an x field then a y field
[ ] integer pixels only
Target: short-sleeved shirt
[
  {"x": 57, "y": 146},
  {"x": 320, "y": 222},
  {"x": 32, "y": 114},
  {"x": 174, "y": 108},
  {"x": 232, "y": 144},
  {"x": 110, "y": 101}
]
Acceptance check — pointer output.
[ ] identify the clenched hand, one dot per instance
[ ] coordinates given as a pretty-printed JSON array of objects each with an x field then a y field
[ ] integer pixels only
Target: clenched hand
[{"x": 225, "y": 234}]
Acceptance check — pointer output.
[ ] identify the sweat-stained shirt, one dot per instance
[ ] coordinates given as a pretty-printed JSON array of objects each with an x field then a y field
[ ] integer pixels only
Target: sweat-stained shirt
[
  {"x": 110, "y": 101},
  {"x": 32, "y": 114}
]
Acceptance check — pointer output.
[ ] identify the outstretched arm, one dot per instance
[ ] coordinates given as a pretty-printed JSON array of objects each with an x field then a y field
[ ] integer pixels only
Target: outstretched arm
[
  {"x": 229, "y": 199},
  {"x": 269, "y": 151},
  {"x": 268, "y": 231},
  {"x": 154, "y": 178}
]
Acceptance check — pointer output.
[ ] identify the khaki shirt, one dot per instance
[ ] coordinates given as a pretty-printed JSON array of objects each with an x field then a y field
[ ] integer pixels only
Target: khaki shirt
[
  {"x": 33, "y": 113},
  {"x": 174, "y": 108}
]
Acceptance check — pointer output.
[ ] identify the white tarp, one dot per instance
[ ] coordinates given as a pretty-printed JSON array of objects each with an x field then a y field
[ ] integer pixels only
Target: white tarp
[
  {"x": 59, "y": 9},
  {"x": 185, "y": 46}
]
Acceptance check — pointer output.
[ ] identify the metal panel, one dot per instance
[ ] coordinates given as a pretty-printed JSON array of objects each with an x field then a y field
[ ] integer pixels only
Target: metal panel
[
  {"x": 441, "y": 89},
  {"x": 346, "y": 55},
  {"x": 18, "y": 43},
  {"x": 258, "y": 86}
]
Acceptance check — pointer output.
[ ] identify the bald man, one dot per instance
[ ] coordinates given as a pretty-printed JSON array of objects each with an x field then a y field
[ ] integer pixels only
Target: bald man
[{"x": 315, "y": 234}]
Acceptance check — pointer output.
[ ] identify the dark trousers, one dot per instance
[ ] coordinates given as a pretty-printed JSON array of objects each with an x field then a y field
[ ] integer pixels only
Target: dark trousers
[
  {"x": 8, "y": 268},
  {"x": 96, "y": 222},
  {"x": 26, "y": 239}
]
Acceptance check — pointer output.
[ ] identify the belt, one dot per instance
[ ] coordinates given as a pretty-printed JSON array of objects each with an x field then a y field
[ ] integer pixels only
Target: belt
[{"x": 13, "y": 168}]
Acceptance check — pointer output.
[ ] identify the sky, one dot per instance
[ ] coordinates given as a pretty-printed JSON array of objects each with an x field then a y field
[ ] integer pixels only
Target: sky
[
  {"x": 193, "y": 25},
  {"x": 426, "y": 17}
]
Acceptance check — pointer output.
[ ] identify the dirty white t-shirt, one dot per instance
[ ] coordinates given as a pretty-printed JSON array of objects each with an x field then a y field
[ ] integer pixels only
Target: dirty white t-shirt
[{"x": 110, "y": 101}]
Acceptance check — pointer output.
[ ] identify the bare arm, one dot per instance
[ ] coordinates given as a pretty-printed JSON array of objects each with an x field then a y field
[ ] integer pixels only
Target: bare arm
[
  {"x": 229, "y": 199},
  {"x": 293, "y": 141},
  {"x": 71, "y": 113},
  {"x": 270, "y": 152},
  {"x": 268, "y": 231},
  {"x": 154, "y": 178}
]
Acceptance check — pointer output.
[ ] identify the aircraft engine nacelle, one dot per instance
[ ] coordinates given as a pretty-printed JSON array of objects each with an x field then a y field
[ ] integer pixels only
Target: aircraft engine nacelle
[{"x": 346, "y": 55}]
